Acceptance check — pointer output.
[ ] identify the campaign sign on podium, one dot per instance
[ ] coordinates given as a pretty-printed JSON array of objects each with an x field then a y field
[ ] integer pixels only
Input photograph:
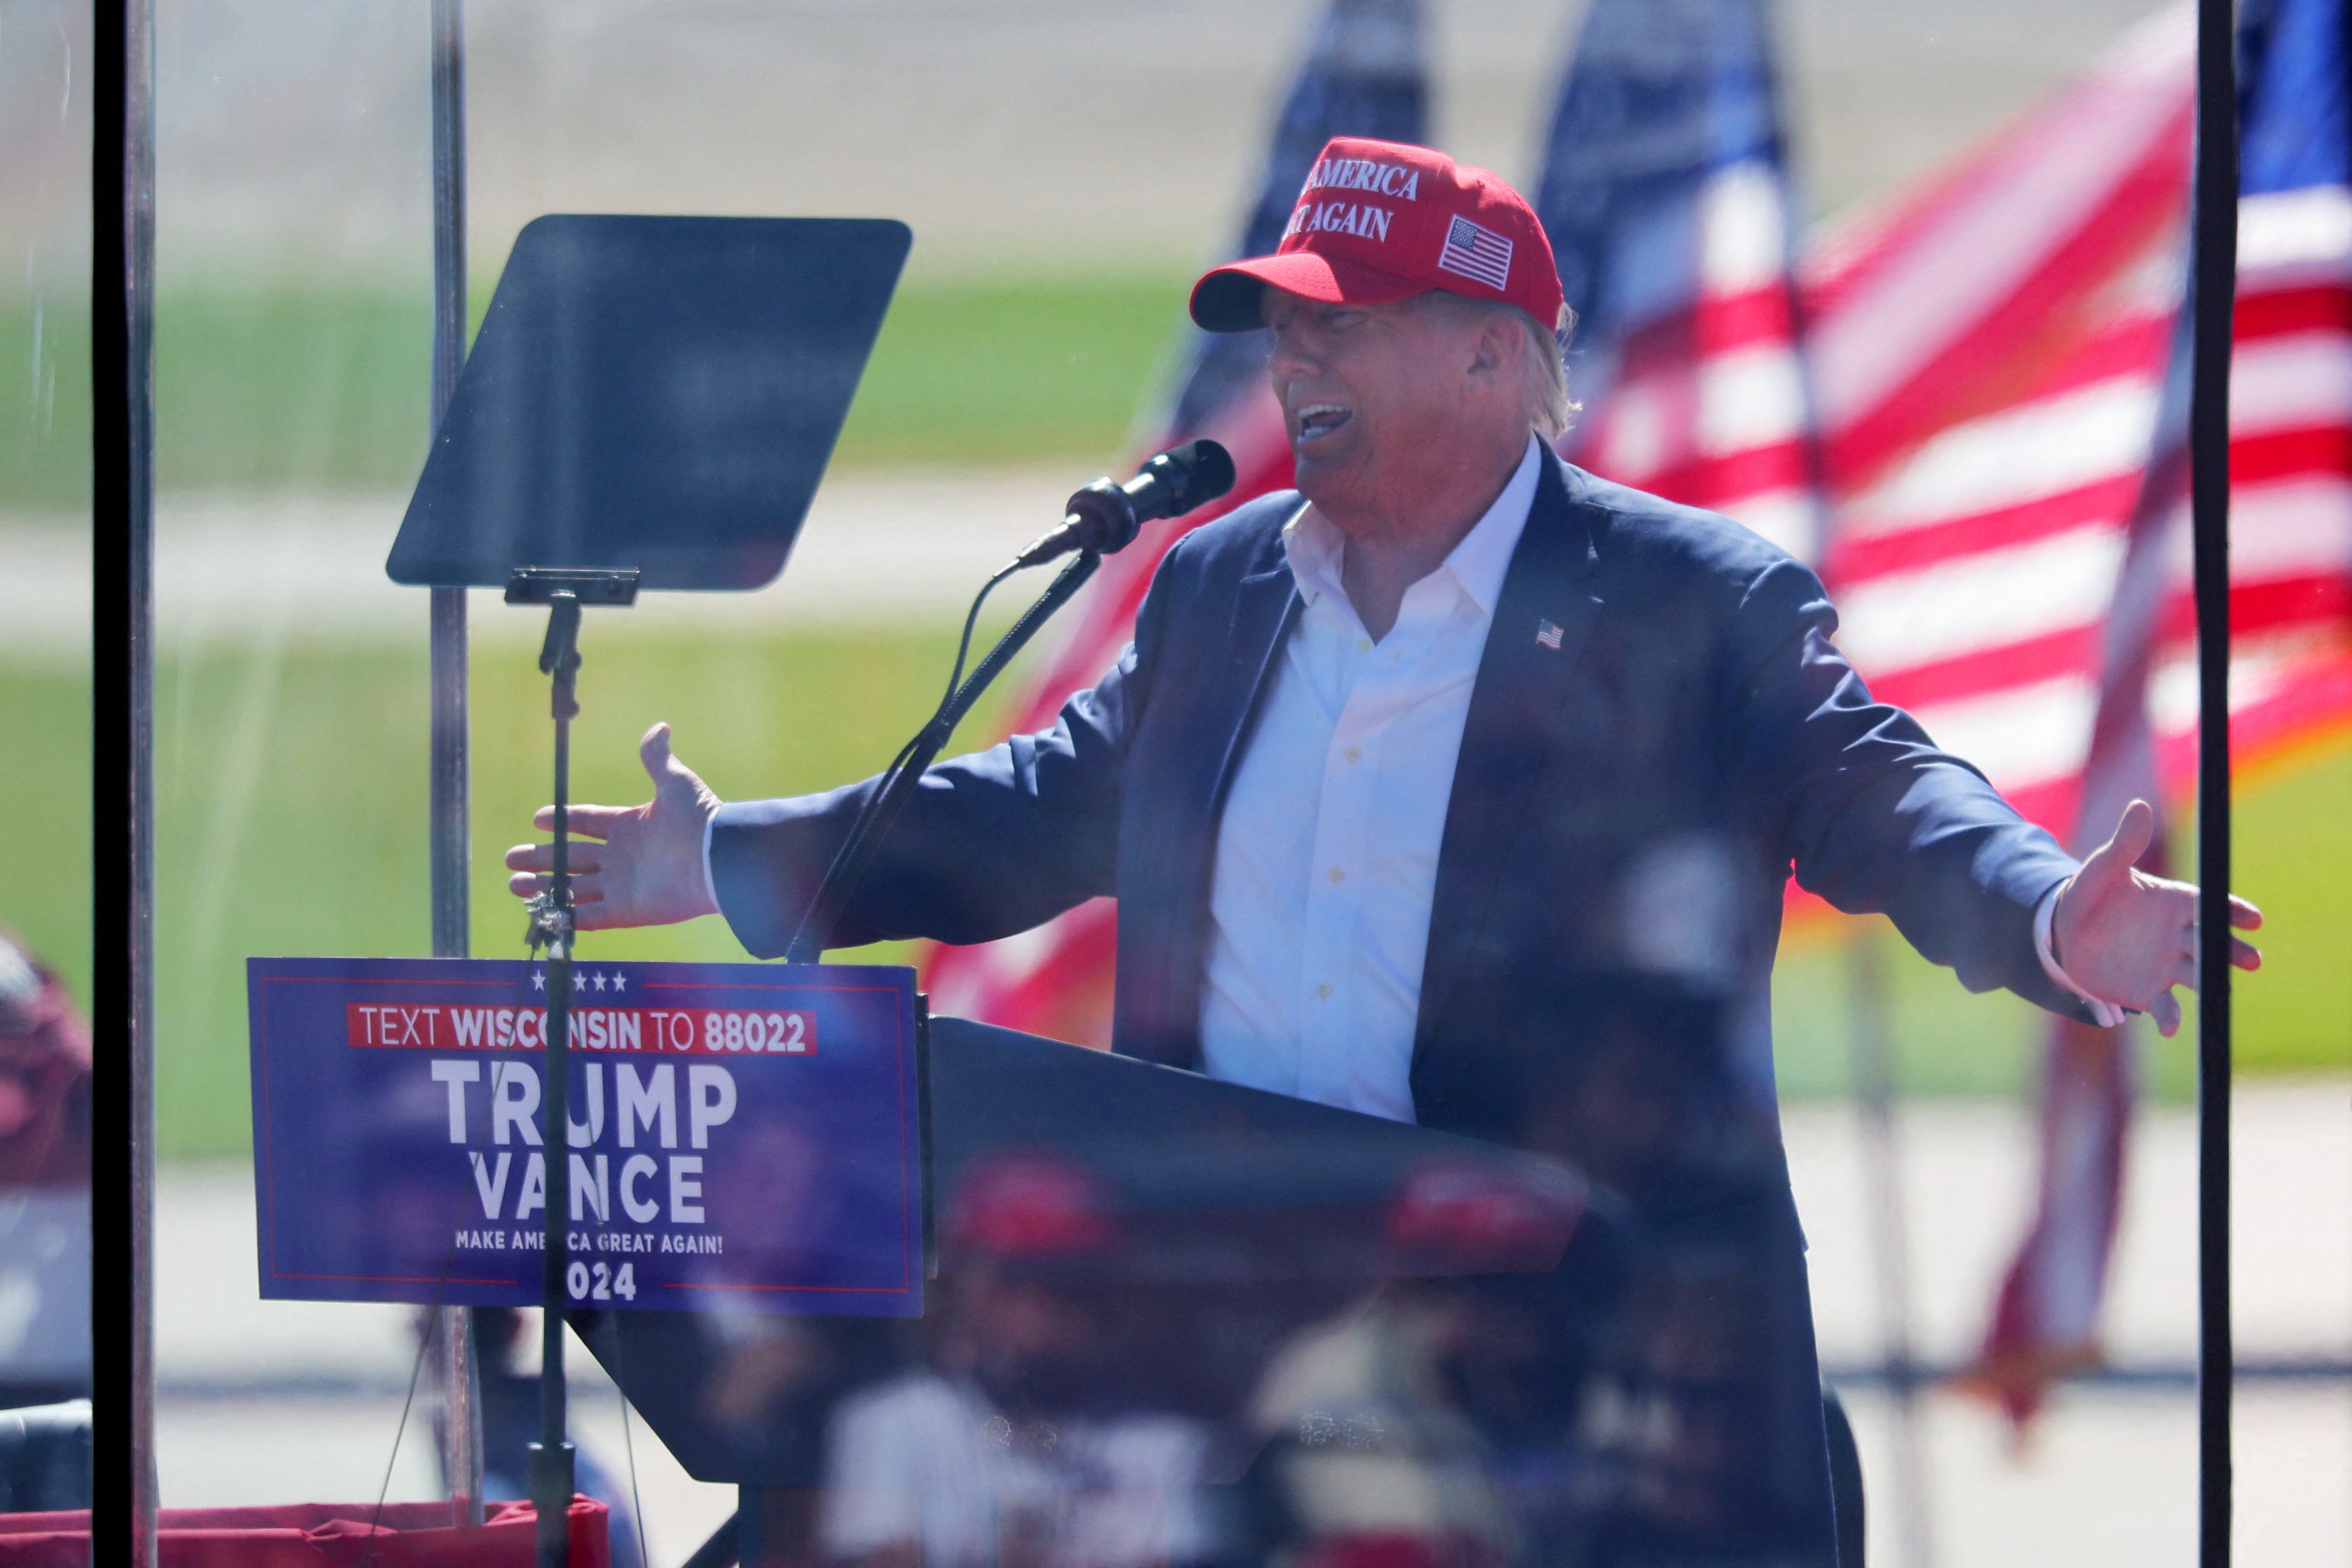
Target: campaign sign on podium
[{"x": 743, "y": 1136}]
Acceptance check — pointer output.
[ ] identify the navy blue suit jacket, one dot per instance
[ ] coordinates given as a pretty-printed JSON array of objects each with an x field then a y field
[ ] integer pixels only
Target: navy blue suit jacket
[{"x": 1633, "y": 798}]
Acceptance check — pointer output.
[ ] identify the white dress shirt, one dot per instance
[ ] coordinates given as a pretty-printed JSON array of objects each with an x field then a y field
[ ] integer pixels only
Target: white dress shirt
[
  {"x": 2106, "y": 1014},
  {"x": 1327, "y": 853}
]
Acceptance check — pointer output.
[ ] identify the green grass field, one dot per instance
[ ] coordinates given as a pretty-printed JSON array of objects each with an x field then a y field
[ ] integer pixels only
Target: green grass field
[
  {"x": 290, "y": 805},
  {"x": 309, "y": 388},
  {"x": 291, "y": 814}
]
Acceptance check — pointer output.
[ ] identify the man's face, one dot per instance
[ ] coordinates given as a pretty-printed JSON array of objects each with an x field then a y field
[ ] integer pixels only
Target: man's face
[{"x": 1371, "y": 396}]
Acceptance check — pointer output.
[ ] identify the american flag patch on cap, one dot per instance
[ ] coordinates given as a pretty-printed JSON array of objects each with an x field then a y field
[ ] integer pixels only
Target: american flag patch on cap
[
  {"x": 1548, "y": 634},
  {"x": 1478, "y": 253}
]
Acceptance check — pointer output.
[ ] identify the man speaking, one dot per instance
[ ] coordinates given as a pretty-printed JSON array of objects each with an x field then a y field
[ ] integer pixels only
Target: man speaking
[{"x": 1457, "y": 786}]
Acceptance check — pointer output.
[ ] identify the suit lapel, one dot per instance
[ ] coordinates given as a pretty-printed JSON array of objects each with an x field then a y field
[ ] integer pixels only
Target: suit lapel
[
  {"x": 1264, "y": 603},
  {"x": 1513, "y": 727}
]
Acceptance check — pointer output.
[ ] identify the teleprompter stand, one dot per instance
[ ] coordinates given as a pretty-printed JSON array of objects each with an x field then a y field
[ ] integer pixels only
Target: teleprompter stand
[
  {"x": 564, "y": 592},
  {"x": 650, "y": 403}
]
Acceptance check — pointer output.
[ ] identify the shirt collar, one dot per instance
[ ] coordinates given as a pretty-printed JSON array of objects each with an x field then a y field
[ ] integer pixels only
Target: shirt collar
[{"x": 1479, "y": 562}]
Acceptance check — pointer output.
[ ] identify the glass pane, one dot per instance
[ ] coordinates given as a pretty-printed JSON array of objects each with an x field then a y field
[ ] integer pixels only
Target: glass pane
[
  {"x": 1547, "y": 1176},
  {"x": 292, "y": 357},
  {"x": 44, "y": 781}
]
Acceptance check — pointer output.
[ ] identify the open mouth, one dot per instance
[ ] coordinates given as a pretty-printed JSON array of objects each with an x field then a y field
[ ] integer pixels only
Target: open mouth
[{"x": 1320, "y": 419}]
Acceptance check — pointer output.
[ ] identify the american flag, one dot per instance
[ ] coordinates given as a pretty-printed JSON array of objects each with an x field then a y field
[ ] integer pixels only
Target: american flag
[
  {"x": 1988, "y": 350},
  {"x": 1478, "y": 253},
  {"x": 2101, "y": 702},
  {"x": 1366, "y": 74},
  {"x": 1989, "y": 354},
  {"x": 1967, "y": 382},
  {"x": 1664, "y": 195}
]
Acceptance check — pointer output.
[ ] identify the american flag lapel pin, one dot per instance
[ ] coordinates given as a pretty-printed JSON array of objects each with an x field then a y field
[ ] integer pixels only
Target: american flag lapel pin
[{"x": 1548, "y": 634}]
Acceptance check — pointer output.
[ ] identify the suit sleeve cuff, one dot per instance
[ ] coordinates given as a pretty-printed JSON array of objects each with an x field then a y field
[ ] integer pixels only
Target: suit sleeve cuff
[
  {"x": 2106, "y": 1014},
  {"x": 710, "y": 888}
]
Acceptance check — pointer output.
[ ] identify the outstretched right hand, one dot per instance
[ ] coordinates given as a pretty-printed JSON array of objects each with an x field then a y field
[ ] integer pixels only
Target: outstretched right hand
[{"x": 647, "y": 869}]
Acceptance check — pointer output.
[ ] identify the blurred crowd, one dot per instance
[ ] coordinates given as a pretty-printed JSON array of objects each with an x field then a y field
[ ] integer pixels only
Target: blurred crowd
[
  {"x": 45, "y": 1299},
  {"x": 1574, "y": 1358}
]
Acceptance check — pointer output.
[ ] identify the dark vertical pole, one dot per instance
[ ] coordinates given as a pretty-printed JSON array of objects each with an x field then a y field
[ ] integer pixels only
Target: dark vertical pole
[
  {"x": 112, "y": 1494},
  {"x": 139, "y": 223},
  {"x": 2213, "y": 297},
  {"x": 551, "y": 1477},
  {"x": 451, "y": 935},
  {"x": 1874, "y": 1083},
  {"x": 461, "y": 1415},
  {"x": 122, "y": 623}
]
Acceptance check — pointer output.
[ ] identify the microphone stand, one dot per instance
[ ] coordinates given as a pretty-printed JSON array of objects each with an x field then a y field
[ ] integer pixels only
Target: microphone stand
[
  {"x": 1102, "y": 518},
  {"x": 898, "y": 783},
  {"x": 551, "y": 1472}
]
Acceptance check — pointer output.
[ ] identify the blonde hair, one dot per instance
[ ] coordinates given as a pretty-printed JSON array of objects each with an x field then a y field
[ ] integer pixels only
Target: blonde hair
[{"x": 1550, "y": 411}]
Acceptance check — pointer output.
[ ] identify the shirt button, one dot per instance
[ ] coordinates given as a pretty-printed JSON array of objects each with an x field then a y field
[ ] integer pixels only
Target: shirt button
[
  {"x": 1354, "y": 755},
  {"x": 1323, "y": 990},
  {"x": 1337, "y": 875},
  {"x": 1363, "y": 644}
]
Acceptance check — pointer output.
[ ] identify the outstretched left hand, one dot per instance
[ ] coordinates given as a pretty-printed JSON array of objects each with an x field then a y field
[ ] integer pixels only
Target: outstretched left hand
[{"x": 2127, "y": 938}]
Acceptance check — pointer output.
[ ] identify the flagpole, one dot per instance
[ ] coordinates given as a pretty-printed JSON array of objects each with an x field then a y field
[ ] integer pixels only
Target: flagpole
[
  {"x": 1873, "y": 1074},
  {"x": 2213, "y": 297}
]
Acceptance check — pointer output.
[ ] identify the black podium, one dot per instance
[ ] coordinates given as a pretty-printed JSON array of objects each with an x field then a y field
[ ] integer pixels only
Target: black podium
[{"x": 1243, "y": 1217}]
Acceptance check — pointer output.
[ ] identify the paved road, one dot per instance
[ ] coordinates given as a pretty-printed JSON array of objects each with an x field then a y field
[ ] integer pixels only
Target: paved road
[
  {"x": 293, "y": 132},
  {"x": 274, "y": 1400},
  {"x": 875, "y": 550}
]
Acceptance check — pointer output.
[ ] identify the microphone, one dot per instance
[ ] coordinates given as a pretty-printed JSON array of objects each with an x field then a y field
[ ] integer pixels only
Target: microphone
[{"x": 1104, "y": 517}]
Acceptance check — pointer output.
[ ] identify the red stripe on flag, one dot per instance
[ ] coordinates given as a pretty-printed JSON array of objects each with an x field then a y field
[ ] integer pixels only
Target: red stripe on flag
[
  {"x": 1991, "y": 670},
  {"x": 2289, "y": 454},
  {"x": 2283, "y": 312},
  {"x": 2014, "y": 340},
  {"x": 1720, "y": 481},
  {"x": 1717, "y": 323},
  {"x": 1858, "y": 558}
]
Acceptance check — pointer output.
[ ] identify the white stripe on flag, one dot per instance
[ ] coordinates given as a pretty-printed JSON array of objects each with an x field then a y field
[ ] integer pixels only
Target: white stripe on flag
[
  {"x": 2020, "y": 454},
  {"x": 2006, "y": 225},
  {"x": 1749, "y": 398},
  {"x": 2297, "y": 232},
  {"x": 2292, "y": 527},
  {"x": 2295, "y": 383},
  {"x": 2021, "y": 736},
  {"x": 1789, "y": 519},
  {"x": 1971, "y": 603},
  {"x": 1638, "y": 426},
  {"x": 1743, "y": 230}
]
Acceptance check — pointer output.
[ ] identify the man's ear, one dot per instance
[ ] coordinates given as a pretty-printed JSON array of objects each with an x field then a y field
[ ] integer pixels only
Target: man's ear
[{"x": 1494, "y": 354}]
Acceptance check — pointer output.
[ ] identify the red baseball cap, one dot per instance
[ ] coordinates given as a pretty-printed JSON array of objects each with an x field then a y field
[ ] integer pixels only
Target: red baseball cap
[
  {"x": 1031, "y": 1207},
  {"x": 1455, "y": 1218},
  {"x": 1380, "y": 221}
]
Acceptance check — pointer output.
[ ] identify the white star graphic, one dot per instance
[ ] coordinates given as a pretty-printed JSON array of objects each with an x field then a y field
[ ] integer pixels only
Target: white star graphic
[
  {"x": 538, "y": 979},
  {"x": 620, "y": 982},
  {"x": 597, "y": 980}
]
